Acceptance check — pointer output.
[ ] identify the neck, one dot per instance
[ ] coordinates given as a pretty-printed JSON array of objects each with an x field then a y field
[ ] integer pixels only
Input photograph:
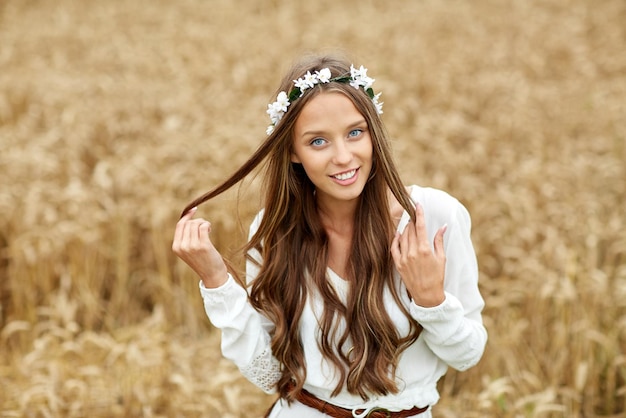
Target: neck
[{"x": 337, "y": 216}]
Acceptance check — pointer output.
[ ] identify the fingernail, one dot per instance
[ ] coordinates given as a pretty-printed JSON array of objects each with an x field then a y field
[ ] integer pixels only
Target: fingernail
[{"x": 444, "y": 228}]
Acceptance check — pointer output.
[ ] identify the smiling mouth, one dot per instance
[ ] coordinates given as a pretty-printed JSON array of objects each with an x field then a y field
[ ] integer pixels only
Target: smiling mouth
[{"x": 345, "y": 176}]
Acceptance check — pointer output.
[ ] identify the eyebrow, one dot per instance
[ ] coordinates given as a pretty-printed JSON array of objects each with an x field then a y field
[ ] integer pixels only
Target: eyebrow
[{"x": 350, "y": 126}]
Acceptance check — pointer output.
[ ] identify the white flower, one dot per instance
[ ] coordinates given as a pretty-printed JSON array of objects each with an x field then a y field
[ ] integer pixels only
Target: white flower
[
  {"x": 359, "y": 78},
  {"x": 301, "y": 84},
  {"x": 361, "y": 72},
  {"x": 356, "y": 75},
  {"x": 271, "y": 111},
  {"x": 277, "y": 109},
  {"x": 282, "y": 101},
  {"x": 323, "y": 75},
  {"x": 305, "y": 82},
  {"x": 379, "y": 105},
  {"x": 310, "y": 79},
  {"x": 367, "y": 82}
]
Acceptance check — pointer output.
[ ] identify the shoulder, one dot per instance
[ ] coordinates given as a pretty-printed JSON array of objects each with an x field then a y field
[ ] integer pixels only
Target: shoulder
[
  {"x": 438, "y": 204},
  {"x": 433, "y": 198}
]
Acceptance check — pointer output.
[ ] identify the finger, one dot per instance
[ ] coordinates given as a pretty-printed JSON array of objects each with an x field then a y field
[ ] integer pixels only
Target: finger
[
  {"x": 180, "y": 225},
  {"x": 395, "y": 248},
  {"x": 191, "y": 235},
  {"x": 187, "y": 216},
  {"x": 408, "y": 239},
  {"x": 419, "y": 223},
  {"x": 438, "y": 241},
  {"x": 189, "y": 213},
  {"x": 420, "y": 227},
  {"x": 180, "y": 231},
  {"x": 203, "y": 232}
]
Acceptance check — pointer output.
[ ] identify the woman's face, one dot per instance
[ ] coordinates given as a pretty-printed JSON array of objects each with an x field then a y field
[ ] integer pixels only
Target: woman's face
[{"x": 332, "y": 142}]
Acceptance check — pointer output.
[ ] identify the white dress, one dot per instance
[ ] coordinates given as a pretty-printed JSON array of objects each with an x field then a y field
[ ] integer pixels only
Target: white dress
[{"x": 453, "y": 334}]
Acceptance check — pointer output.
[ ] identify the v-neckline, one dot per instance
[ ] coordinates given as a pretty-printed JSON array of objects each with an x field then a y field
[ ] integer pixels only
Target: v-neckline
[
  {"x": 338, "y": 282},
  {"x": 342, "y": 284}
]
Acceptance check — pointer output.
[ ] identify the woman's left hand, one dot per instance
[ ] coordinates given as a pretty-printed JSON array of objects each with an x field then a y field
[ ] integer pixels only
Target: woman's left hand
[{"x": 422, "y": 269}]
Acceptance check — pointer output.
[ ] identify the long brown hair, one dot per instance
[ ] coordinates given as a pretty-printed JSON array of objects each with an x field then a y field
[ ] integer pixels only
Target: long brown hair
[{"x": 294, "y": 248}]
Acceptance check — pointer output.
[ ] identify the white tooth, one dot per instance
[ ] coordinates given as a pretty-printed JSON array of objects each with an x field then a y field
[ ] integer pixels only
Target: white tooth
[{"x": 345, "y": 176}]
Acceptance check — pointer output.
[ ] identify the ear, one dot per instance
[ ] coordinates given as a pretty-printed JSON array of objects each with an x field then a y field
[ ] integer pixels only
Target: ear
[{"x": 295, "y": 158}]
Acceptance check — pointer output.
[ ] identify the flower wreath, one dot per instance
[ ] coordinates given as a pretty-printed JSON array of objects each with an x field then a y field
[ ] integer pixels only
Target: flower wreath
[{"x": 357, "y": 78}]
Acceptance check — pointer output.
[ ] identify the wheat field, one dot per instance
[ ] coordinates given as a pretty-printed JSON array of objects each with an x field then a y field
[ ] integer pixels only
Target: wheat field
[{"x": 114, "y": 114}]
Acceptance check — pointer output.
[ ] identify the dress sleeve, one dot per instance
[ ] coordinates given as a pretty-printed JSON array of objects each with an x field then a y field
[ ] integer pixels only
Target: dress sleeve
[
  {"x": 245, "y": 331},
  {"x": 454, "y": 330}
]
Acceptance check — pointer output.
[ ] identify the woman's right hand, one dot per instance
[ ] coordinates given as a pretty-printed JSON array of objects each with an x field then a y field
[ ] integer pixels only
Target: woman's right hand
[{"x": 193, "y": 245}]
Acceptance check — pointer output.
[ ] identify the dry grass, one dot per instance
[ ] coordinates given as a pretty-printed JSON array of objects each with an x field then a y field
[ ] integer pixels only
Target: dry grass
[{"x": 114, "y": 114}]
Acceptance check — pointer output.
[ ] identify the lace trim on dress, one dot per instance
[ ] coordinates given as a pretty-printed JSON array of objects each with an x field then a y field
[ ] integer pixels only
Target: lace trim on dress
[{"x": 263, "y": 371}]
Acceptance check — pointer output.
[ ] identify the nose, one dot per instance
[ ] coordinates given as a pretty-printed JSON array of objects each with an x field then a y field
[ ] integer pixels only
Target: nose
[{"x": 343, "y": 153}]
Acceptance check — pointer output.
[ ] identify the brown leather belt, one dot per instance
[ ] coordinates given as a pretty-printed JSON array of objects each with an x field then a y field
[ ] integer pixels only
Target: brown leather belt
[{"x": 335, "y": 411}]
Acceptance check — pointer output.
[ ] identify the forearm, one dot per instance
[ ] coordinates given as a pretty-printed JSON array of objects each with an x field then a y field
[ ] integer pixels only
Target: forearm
[
  {"x": 455, "y": 338},
  {"x": 245, "y": 340}
]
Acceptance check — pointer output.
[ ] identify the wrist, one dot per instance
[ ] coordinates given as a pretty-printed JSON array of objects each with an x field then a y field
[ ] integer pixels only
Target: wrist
[
  {"x": 216, "y": 279},
  {"x": 430, "y": 300}
]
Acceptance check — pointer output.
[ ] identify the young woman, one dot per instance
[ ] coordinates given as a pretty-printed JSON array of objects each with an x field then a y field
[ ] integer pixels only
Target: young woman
[{"x": 360, "y": 292}]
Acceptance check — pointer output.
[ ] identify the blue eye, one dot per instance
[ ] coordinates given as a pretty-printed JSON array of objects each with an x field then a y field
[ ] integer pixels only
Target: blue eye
[
  {"x": 318, "y": 142},
  {"x": 355, "y": 132}
]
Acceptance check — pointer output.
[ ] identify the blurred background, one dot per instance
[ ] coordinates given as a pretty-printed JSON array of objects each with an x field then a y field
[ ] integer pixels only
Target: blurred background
[{"x": 115, "y": 114}]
